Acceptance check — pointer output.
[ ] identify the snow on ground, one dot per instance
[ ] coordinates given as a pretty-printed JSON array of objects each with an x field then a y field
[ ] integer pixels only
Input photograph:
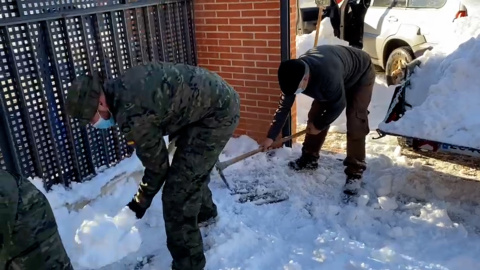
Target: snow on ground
[
  {"x": 382, "y": 94},
  {"x": 401, "y": 222},
  {"x": 444, "y": 91}
]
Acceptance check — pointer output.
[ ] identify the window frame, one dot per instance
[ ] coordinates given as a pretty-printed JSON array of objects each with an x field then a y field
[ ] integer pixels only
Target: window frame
[{"x": 439, "y": 7}]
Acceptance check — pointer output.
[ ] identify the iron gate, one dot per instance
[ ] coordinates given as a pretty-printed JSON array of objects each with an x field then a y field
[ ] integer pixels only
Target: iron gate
[{"x": 44, "y": 45}]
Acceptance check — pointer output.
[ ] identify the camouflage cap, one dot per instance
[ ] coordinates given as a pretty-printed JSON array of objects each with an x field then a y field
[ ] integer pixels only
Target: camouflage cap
[{"x": 83, "y": 98}]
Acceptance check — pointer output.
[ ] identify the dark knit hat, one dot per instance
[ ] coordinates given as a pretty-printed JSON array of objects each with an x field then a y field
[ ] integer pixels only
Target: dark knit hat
[
  {"x": 290, "y": 73},
  {"x": 83, "y": 97}
]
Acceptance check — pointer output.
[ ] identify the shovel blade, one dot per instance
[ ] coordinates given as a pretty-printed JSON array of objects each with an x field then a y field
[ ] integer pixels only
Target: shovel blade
[{"x": 223, "y": 177}]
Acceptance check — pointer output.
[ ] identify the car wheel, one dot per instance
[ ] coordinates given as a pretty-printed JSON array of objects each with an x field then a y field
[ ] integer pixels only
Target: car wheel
[
  {"x": 397, "y": 60},
  {"x": 402, "y": 142}
]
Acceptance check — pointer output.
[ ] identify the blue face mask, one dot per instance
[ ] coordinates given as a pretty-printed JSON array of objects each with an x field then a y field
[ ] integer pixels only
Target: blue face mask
[
  {"x": 303, "y": 83},
  {"x": 104, "y": 123}
]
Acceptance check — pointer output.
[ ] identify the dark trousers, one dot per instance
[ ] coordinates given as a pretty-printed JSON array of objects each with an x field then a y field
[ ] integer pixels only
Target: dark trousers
[
  {"x": 358, "y": 100},
  {"x": 186, "y": 195}
]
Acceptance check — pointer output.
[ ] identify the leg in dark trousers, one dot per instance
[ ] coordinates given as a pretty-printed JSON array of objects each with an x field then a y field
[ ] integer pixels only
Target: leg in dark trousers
[
  {"x": 186, "y": 191},
  {"x": 312, "y": 144},
  {"x": 208, "y": 208},
  {"x": 358, "y": 100}
]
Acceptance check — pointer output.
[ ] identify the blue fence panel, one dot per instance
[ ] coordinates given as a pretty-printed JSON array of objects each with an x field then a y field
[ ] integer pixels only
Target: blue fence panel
[{"x": 44, "y": 45}]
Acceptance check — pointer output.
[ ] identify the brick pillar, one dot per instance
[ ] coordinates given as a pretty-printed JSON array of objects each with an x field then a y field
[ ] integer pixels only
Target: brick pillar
[{"x": 240, "y": 40}]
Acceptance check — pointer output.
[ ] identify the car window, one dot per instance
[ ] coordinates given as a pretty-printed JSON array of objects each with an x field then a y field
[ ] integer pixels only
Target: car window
[
  {"x": 400, "y": 3},
  {"x": 426, "y": 3},
  {"x": 382, "y": 3}
]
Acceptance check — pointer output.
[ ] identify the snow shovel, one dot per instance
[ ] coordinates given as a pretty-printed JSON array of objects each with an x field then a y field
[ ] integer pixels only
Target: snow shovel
[
  {"x": 220, "y": 166},
  {"x": 268, "y": 197},
  {"x": 321, "y": 6}
]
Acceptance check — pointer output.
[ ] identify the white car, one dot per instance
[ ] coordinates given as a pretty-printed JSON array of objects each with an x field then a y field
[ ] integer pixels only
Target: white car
[{"x": 396, "y": 31}]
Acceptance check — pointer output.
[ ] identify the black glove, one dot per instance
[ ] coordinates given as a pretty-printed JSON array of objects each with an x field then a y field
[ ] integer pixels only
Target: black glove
[{"x": 136, "y": 208}]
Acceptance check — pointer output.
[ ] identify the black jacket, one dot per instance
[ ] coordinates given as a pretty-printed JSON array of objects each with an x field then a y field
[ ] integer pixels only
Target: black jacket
[
  {"x": 354, "y": 20},
  {"x": 334, "y": 69}
]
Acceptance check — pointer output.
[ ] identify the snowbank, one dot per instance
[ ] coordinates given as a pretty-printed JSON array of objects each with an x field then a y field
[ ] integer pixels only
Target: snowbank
[
  {"x": 473, "y": 7},
  {"x": 444, "y": 91}
]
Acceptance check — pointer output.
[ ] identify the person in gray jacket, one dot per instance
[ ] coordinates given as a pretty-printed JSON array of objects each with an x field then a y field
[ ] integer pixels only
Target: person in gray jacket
[{"x": 336, "y": 77}]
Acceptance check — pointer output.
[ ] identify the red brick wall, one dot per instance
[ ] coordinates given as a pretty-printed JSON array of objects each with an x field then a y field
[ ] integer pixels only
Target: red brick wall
[{"x": 240, "y": 40}]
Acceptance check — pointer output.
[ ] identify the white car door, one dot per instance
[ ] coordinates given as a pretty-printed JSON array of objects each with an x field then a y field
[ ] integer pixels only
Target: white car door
[{"x": 379, "y": 24}]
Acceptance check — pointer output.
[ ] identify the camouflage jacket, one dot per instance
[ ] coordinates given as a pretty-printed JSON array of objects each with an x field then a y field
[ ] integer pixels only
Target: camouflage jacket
[
  {"x": 8, "y": 212},
  {"x": 157, "y": 99},
  {"x": 26, "y": 216}
]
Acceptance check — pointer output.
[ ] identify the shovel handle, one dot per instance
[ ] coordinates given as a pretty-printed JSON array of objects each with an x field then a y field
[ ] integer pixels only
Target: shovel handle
[
  {"x": 319, "y": 21},
  {"x": 234, "y": 160},
  {"x": 239, "y": 158},
  {"x": 293, "y": 136}
]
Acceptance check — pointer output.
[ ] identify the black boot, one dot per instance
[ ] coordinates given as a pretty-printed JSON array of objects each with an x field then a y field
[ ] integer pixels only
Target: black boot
[
  {"x": 305, "y": 162},
  {"x": 206, "y": 220},
  {"x": 352, "y": 185}
]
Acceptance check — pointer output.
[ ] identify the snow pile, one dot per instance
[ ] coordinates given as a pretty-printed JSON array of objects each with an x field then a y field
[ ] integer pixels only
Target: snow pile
[
  {"x": 325, "y": 37},
  {"x": 104, "y": 239},
  {"x": 466, "y": 27},
  {"x": 473, "y": 7},
  {"x": 444, "y": 91},
  {"x": 99, "y": 233}
]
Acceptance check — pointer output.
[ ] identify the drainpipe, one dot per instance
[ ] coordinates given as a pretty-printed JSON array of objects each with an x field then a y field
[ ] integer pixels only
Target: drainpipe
[{"x": 285, "y": 55}]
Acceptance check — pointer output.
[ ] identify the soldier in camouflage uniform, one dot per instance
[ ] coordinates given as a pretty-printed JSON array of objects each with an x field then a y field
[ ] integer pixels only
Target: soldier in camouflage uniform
[
  {"x": 29, "y": 238},
  {"x": 149, "y": 102}
]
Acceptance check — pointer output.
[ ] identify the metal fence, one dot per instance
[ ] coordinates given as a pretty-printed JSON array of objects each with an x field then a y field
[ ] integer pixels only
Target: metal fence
[{"x": 44, "y": 45}]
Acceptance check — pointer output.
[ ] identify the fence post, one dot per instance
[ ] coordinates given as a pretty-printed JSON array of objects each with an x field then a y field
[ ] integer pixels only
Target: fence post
[{"x": 6, "y": 142}]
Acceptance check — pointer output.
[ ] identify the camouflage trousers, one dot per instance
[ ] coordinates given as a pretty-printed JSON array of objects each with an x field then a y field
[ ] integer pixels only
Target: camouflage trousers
[
  {"x": 29, "y": 237},
  {"x": 358, "y": 100},
  {"x": 186, "y": 195}
]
